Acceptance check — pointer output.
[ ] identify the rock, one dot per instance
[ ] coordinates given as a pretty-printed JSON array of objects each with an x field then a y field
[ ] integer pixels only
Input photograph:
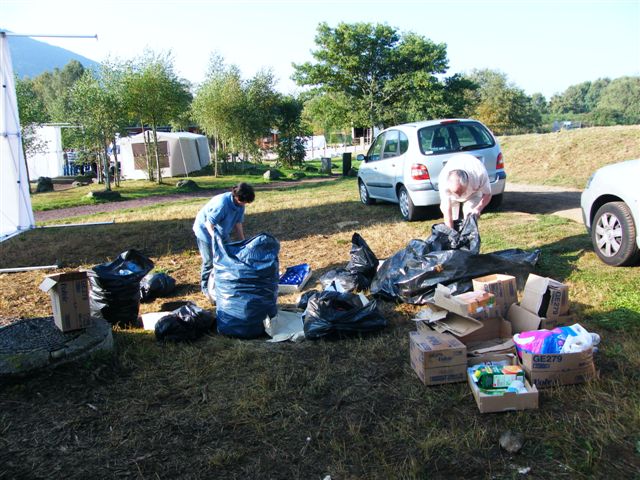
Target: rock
[
  {"x": 310, "y": 168},
  {"x": 352, "y": 172},
  {"x": 512, "y": 442},
  {"x": 78, "y": 184},
  {"x": 297, "y": 175},
  {"x": 108, "y": 195},
  {"x": 187, "y": 185},
  {"x": 272, "y": 175},
  {"x": 44, "y": 185}
]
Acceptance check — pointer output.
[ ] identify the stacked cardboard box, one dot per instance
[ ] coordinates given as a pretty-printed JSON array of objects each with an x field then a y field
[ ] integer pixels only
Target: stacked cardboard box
[
  {"x": 503, "y": 288},
  {"x": 545, "y": 370},
  {"x": 437, "y": 357}
]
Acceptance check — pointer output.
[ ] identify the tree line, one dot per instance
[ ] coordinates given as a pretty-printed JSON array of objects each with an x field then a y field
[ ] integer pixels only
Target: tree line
[{"x": 362, "y": 75}]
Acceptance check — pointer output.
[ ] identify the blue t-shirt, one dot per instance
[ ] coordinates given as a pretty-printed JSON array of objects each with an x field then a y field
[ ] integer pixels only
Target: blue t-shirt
[{"x": 223, "y": 213}]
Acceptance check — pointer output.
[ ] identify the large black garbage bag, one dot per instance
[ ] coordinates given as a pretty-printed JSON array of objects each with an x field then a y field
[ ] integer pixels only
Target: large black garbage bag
[
  {"x": 463, "y": 236},
  {"x": 332, "y": 313},
  {"x": 156, "y": 285},
  {"x": 360, "y": 270},
  {"x": 412, "y": 274},
  {"x": 304, "y": 299},
  {"x": 185, "y": 324},
  {"x": 115, "y": 287},
  {"x": 340, "y": 276},
  {"x": 363, "y": 263},
  {"x": 246, "y": 285}
]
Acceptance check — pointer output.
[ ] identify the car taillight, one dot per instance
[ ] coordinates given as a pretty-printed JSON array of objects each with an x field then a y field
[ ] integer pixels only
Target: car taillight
[
  {"x": 419, "y": 172},
  {"x": 500, "y": 162}
]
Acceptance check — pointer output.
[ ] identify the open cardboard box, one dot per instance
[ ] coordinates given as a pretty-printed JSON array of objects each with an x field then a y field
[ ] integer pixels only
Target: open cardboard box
[
  {"x": 545, "y": 297},
  {"x": 545, "y": 370},
  {"x": 508, "y": 401},
  {"x": 478, "y": 304},
  {"x": 69, "y": 294},
  {"x": 503, "y": 287},
  {"x": 523, "y": 320}
]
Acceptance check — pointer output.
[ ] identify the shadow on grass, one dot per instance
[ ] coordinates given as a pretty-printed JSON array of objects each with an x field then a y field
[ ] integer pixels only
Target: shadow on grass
[
  {"x": 73, "y": 246},
  {"x": 539, "y": 202}
]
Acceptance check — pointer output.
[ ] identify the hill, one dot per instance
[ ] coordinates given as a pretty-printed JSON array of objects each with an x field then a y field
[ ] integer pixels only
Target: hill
[
  {"x": 569, "y": 157},
  {"x": 32, "y": 57}
]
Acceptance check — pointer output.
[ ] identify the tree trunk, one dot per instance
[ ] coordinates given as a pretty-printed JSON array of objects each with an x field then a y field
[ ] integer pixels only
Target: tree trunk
[
  {"x": 215, "y": 154},
  {"x": 155, "y": 143},
  {"x": 115, "y": 158},
  {"x": 107, "y": 177},
  {"x": 147, "y": 149}
]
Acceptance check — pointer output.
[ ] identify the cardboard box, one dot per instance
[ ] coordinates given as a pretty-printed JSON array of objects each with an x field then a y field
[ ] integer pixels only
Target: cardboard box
[
  {"x": 437, "y": 358},
  {"x": 545, "y": 297},
  {"x": 503, "y": 288},
  {"x": 523, "y": 320},
  {"x": 494, "y": 334},
  {"x": 69, "y": 298},
  {"x": 477, "y": 305},
  {"x": 509, "y": 401},
  {"x": 544, "y": 370}
]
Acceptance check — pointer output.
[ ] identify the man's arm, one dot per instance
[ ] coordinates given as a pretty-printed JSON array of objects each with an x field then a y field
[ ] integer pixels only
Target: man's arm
[
  {"x": 445, "y": 207},
  {"x": 209, "y": 227},
  {"x": 486, "y": 198},
  {"x": 239, "y": 231}
]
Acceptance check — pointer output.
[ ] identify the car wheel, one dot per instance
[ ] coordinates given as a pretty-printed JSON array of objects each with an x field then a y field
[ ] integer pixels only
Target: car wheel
[
  {"x": 407, "y": 209},
  {"x": 364, "y": 194},
  {"x": 613, "y": 234},
  {"x": 496, "y": 201}
]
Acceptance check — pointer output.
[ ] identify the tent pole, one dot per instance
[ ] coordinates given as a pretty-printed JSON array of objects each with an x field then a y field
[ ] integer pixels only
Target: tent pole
[{"x": 27, "y": 269}]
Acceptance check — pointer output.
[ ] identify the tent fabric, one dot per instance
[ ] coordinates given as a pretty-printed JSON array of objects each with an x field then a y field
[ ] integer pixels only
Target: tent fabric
[
  {"x": 16, "y": 214},
  {"x": 187, "y": 152},
  {"x": 50, "y": 162}
]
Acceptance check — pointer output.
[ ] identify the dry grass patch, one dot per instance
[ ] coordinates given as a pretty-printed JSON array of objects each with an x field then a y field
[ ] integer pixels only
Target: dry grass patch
[{"x": 352, "y": 408}]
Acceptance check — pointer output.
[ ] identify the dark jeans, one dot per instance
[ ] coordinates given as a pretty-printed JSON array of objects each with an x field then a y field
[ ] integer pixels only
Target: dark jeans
[{"x": 206, "y": 252}]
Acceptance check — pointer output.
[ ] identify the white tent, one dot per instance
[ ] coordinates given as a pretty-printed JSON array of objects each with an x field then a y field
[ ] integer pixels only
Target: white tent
[
  {"x": 181, "y": 154},
  {"x": 50, "y": 161},
  {"x": 16, "y": 214}
]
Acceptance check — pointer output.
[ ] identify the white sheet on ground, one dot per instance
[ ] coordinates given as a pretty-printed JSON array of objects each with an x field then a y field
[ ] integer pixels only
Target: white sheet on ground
[{"x": 285, "y": 326}]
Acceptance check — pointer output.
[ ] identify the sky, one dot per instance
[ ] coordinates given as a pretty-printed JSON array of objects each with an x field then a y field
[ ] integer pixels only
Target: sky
[{"x": 542, "y": 46}]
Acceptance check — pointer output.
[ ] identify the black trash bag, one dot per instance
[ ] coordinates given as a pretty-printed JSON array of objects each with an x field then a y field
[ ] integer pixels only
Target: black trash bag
[
  {"x": 341, "y": 276},
  {"x": 411, "y": 275},
  {"x": 156, "y": 285},
  {"x": 463, "y": 236},
  {"x": 115, "y": 287},
  {"x": 304, "y": 299},
  {"x": 330, "y": 314},
  {"x": 363, "y": 263},
  {"x": 185, "y": 324}
]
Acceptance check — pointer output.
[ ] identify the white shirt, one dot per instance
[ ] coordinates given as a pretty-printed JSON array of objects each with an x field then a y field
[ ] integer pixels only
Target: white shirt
[{"x": 478, "y": 178}]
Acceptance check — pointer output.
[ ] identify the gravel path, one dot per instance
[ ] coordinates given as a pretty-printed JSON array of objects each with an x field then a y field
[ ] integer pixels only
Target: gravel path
[
  {"x": 60, "y": 213},
  {"x": 534, "y": 199}
]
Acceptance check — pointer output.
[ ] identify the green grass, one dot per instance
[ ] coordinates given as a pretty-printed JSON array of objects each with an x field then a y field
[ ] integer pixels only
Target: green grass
[
  {"x": 132, "y": 189},
  {"x": 567, "y": 158},
  {"x": 351, "y": 408}
]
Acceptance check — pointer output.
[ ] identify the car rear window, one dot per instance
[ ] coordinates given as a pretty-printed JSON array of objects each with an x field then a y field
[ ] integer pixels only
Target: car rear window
[{"x": 454, "y": 137}]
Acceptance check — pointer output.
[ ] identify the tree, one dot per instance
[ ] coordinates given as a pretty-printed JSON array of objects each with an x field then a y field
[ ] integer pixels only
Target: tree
[
  {"x": 290, "y": 131},
  {"x": 619, "y": 102},
  {"x": 97, "y": 104},
  {"x": 500, "y": 105},
  {"x": 375, "y": 68},
  {"x": 154, "y": 95},
  {"x": 237, "y": 113},
  {"x": 54, "y": 89},
  {"x": 33, "y": 113}
]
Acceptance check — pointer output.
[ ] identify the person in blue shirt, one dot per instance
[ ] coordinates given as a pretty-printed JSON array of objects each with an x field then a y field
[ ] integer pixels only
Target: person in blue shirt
[{"x": 222, "y": 215}]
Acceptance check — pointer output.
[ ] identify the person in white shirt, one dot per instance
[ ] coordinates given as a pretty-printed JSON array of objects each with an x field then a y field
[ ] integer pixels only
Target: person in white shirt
[{"x": 463, "y": 181}]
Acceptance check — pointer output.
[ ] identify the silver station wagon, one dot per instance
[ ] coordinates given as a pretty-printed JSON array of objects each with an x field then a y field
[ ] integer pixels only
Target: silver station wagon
[{"x": 403, "y": 163}]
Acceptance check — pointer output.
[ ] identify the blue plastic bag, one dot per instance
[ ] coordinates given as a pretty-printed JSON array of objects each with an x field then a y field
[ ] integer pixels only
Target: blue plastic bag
[{"x": 246, "y": 286}]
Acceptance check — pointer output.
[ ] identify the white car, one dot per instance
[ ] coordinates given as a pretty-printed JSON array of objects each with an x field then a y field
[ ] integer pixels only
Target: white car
[
  {"x": 611, "y": 212},
  {"x": 403, "y": 163}
]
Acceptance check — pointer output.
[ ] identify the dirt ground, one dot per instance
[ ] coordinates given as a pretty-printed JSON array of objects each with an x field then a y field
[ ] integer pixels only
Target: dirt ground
[{"x": 533, "y": 199}]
